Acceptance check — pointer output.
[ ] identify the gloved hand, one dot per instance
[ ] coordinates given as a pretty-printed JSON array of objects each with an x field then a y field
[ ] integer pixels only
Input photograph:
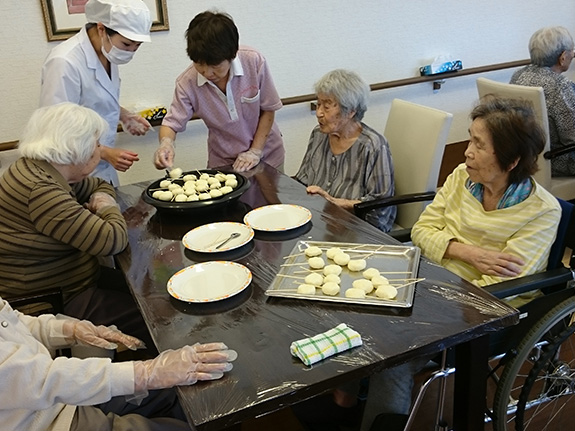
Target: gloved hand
[
  {"x": 247, "y": 160},
  {"x": 184, "y": 366},
  {"x": 100, "y": 201},
  {"x": 164, "y": 155},
  {"x": 86, "y": 333},
  {"x": 134, "y": 124}
]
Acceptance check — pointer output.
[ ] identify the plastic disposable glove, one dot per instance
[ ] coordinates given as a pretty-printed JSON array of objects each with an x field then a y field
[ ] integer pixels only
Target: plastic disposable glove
[
  {"x": 134, "y": 124},
  {"x": 164, "y": 155},
  {"x": 247, "y": 160},
  {"x": 86, "y": 333},
  {"x": 184, "y": 366},
  {"x": 100, "y": 201}
]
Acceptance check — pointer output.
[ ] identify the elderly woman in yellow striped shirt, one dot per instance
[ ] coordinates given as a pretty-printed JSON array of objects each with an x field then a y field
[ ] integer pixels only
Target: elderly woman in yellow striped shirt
[{"x": 491, "y": 221}]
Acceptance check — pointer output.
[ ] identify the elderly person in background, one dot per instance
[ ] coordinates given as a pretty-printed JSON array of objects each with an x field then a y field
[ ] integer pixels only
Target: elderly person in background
[
  {"x": 489, "y": 222},
  {"x": 347, "y": 161},
  {"x": 40, "y": 393},
  {"x": 57, "y": 220},
  {"x": 552, "y": 50}
]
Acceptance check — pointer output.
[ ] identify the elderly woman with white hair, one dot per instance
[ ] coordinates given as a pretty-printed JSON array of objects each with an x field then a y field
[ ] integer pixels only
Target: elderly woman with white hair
[
  {"x": 347, "y": 161},
  {"x": 57, "y": 221},
  {"x": 552, "y": 50}
]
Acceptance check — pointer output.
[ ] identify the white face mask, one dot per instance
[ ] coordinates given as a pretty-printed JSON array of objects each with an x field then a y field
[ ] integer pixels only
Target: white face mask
[{"x": 117, "y": 55}]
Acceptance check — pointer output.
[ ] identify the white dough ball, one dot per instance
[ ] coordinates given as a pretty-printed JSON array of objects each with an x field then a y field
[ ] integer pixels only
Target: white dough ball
[
  {"x": 165, "y": 184},
  {"x": 215, "y": 185},
  {"x": 181, "y": 198},
  {"x": 306, "y": 289},
  {"x": 369, "y": 273},
  {"x": 332, "y": 269},
  {"x": 313, "y": 251},
  {"x": 226, "y": 189},
  {"x": 379, "y": 280},
  {"x": 202, "y": 186},
  {"x": 386, "y": 291},
  {"x": 212, "y": 180},
  {"x": 189, "y": 191},
  {"x": 316, "y": 263},
  {"x": 220, "y": 177},
  {"x": 342, "y": 258},
  {"x": 156, "y": 194},
  {"x": 173, "y": 186},
  {"x": 363, "y": 284},
  {"x": 204, "y": 196},
  {"x": 176, "y": 173},
  {"x": 333, "y": 278},
  {"x": 357, "y": 265},
  {"x": 189, "y": 184},
  {"x": 330, "y": 289},
  {"x": 193, "y": 198},
  {"x": 355, "y": 293},
  {"x": 166, "y": 196},
  {"x": 177, "y": 191},
  {"x": 233, "y": 183},
  {"x": 204, "y": 176},
  {"x": 332, "y": 252},
  {"x": 190, "y": 177},
  {"x": 215, "y": 193},
  {"x": 230, "y": 177},
  {"x": 314, "y": 279}
]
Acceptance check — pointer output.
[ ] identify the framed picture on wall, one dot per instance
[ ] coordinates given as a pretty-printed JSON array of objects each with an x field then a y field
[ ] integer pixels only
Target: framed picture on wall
[{"x": 64, "y": 18}]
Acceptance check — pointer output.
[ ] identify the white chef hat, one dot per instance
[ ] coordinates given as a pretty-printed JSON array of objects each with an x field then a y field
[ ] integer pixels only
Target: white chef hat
[{"x": 130, "y": 18}]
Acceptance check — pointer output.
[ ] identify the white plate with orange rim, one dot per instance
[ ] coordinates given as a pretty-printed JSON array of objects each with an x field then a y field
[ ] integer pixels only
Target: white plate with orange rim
[
  {"x": 217, "y": 237},
  {"x": 275, "y": 218},
  {"x": 209, "y": 281}
]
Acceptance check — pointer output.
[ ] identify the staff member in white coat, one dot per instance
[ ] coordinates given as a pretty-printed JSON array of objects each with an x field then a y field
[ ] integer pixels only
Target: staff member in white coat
[{"x": 84, "y": 70}]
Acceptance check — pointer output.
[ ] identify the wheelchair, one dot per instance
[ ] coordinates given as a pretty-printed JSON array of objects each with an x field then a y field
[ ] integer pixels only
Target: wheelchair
[{"x": 532, "y": 367}]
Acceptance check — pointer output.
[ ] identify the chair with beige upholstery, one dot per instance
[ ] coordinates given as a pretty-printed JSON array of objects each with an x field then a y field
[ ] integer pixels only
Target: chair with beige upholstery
[
  {"x": 561, "y": 187},
  {"x": 417, "y": 136}
]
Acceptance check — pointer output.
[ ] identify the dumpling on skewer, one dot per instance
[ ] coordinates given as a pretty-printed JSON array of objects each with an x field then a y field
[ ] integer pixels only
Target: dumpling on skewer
[
  {"x": 313, "y": 251},
  {"x": 332, "y": 269},
  {"x": 333, "y": 278},
  {"x": 316, "y": 263},
  {"x": 306, "y": 289},
  {"x": 342, "y": 258},
  {"x": 363, "y": 284},
  {"x": 369, "y": 273},
  {"x": 356, "y": 265},
  {"x": 355, "y": 293},
  {"x": 330, "y": 289},
  {"x": 332, "y": 252},
  {"x": 386, "y": 291},
  {"x": 314, "y": 279}
]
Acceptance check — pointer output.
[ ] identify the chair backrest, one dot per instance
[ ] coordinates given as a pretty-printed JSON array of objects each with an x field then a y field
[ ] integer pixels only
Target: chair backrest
[
  {"x": 534, "y": 95},
  {"x": 565, "y": 235},
  {"x": 417, "y": 136}
]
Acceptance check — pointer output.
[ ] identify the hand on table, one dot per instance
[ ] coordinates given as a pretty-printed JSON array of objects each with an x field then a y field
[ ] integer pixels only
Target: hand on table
[
  {"x": 164, "y": 155},
  {"x": 184, "y": 366},
  {"x": 86, "y": 333},
  {"x": 100, "y": 201},
  {"x": 247, "y": 160}
]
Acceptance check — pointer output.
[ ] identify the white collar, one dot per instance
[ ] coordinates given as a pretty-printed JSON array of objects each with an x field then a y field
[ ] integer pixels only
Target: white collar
[{"x": 236, "y": 69}]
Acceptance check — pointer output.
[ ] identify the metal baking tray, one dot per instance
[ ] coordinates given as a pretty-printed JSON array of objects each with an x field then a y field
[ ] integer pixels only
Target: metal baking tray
[{"x": 396, "y": 262}]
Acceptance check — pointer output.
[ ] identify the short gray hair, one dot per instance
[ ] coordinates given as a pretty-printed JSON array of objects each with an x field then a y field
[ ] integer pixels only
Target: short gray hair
[
  {"x": 547, "y": 44},
  {"x": 65, "y": 134},
  {"x": 347, "y": 88}
]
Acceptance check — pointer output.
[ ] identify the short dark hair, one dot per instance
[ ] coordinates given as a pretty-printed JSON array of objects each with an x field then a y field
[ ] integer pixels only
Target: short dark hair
[
  {"x": 212, "y": 37},
  {"x": 515, "y": 131}
]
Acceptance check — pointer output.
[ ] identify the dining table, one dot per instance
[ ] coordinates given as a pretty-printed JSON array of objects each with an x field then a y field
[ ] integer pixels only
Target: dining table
[{"x": 446, "y": 312}]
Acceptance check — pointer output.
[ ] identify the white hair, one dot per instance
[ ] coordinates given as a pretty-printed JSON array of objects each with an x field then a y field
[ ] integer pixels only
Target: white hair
[
  {"x": 65, "y": 134},
  {"x": 349, "y": 90},
  {"x": 547, "y": 44}
]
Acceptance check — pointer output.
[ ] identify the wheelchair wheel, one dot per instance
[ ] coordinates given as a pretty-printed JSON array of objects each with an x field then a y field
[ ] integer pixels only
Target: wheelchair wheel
[{"x": 526, "y": 397}]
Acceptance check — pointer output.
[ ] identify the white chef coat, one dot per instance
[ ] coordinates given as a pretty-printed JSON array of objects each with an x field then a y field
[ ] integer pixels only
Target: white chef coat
[{"x": 73, "y": 72}]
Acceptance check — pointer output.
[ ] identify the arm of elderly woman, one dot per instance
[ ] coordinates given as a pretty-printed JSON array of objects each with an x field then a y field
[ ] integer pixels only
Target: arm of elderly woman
[
  {"x": 488, "y": 262},
  {"x": 57, "y": 214},
  {"x": 344, "y": 203}
]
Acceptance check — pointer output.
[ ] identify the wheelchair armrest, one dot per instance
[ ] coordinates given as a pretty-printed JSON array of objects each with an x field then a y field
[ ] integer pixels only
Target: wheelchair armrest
[
  {"x": 551, "y": 154},
  {"x": 363, "y": 208},
  {"x": 402, "y": 235},
  {"x": 52, "y": 296},
  {"x": 529, "y": 283}
]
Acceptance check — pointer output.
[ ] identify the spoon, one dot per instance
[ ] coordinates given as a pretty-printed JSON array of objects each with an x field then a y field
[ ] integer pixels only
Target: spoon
[{"x": 232, "y": 236}]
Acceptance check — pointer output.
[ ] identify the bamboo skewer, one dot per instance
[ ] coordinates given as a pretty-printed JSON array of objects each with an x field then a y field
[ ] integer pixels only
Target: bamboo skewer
[{"x": 290, "y": 276}]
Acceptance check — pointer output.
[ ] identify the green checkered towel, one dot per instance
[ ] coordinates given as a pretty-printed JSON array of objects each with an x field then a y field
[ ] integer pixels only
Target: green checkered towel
[{"x": 321, "y": 346}]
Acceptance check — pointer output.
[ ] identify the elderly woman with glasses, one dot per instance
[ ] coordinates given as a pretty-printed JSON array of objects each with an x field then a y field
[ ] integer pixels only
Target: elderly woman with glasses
[
  {"x": 347, "y": 161},
  {"x": 552, "y": 51}
]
